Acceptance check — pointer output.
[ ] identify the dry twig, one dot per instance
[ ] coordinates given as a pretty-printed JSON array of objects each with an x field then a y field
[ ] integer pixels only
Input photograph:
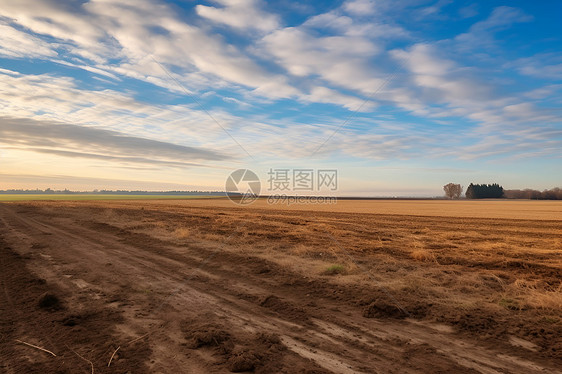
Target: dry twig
[
  {"x": 83, "y": 358},
  {"x": 139, "y": 338},
  {"x": 114, "y": 352},
  {"x": 34, "y": 346}
]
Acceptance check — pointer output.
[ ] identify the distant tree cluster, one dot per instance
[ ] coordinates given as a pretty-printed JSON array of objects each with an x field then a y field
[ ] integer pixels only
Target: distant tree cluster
[
  {"x": 552, "y": 194},
  {"x": 484, "y": 191},
  {"x": 452, "y": 190},
  {"x": 49, "y": 191}
]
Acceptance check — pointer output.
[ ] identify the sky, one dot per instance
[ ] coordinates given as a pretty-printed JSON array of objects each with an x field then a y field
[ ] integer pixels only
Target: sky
[{"x": 399, "y": 96}]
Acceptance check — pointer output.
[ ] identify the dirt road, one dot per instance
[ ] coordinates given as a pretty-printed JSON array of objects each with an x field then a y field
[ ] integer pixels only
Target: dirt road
[{"x": 205, "y": 305}]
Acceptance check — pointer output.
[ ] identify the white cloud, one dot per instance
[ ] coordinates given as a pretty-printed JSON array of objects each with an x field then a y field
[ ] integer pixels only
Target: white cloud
[
  {"x": 340, "y": 50},
  {"x": 481, "y": 33},
  {"x": 434, "y": 9},
  {"x": 546, "y": 66},
  {"x": 90, "y": 142},
  {"x": 100, "y": 30},
  {"x": 339, "y": 60},
  {"x": 240, "y": 103},
  {"x": 339, "y": 57},
  {"x": 543, "y": 92},
  {"x": 327, "y": 95},
  {"x": 9, "y": 72},
  {"x": 349, "y": 26},
  {"x": 424, "y": 59},
  {"x": 360, "y": 7},
  {"x": 179, "y": 44},
  {"x": 135, "y": 36},
  {"x": 89, "y": 68},
  {"x": 68, "y": 22},
  {"x": 50, "y": 98},
  {"x": 18, "y": 44},
  {"x": 501, "y": 18},
  {"x": 440, "y": 80},
  {"x": 494, "y": 146},
  {"x": 444, "y": 89},
  {"x": 240, "y": 14}
]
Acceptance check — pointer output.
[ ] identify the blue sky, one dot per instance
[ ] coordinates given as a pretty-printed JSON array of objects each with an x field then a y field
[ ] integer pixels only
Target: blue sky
[{"x": 401, "y": 97}]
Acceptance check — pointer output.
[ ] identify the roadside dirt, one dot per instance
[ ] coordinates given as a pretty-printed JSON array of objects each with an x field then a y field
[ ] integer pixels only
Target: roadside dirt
[
  {"x": 69, "y": 325},
  {"x": 212, "y": 304}
]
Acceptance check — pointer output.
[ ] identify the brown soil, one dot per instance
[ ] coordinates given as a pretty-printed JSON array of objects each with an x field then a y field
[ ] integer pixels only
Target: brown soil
[
  {"x": 204, "y": 289},
  {"x": 31, "y": 311}
]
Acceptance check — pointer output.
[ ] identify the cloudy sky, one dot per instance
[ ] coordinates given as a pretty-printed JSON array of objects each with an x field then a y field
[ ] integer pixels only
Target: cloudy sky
[{"x": 400, "y": 96}]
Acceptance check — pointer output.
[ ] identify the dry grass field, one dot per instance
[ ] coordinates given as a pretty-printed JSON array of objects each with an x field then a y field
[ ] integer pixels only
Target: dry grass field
[{"x": 362, "y": 286}]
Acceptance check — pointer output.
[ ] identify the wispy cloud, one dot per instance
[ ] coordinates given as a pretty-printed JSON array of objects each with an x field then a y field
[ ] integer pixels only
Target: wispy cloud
[
  {"x": 544, "y": 65},
  {"x": 481, "y": 34},
  {"x": 19, "y": 44},
  {"x": 240, "y": 14},
  {"x": 72, "y": 140},
  {"x": 74, "y": 182}
]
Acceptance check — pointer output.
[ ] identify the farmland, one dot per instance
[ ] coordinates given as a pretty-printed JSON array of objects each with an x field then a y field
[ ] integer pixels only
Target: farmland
[{"x": 204, "y": 285}]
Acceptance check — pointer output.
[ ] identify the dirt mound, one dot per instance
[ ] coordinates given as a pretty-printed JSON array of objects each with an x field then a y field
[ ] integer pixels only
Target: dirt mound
[
  {"x": 241, "y": 351},
  {"x": 71, "y": 320},
  {"x": 272, "y": 302},
  {"x": 478, "y": 321},
  {"x": 283, "y": 307},
  {"x": 49, "y": 301},
  {"x": 207, "y": 336},
  {"x": 243, "y": 361},
  {"x": 383, "y": 309}
]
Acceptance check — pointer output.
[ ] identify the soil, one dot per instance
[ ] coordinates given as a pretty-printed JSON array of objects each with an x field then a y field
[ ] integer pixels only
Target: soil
[
  {"x": 89, "y": 283},
  {"x": 31, "y": 311}
]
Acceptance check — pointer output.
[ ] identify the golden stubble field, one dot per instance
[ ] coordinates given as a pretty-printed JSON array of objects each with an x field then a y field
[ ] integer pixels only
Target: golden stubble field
[
  {"x": 359, "y": 286},
  {"x": 489, "y": 208}
]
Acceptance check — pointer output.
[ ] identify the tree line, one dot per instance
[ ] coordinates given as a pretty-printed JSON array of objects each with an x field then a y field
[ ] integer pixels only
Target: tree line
[
  {"x": 484, "y": 191},
  {"x": 552, "y": 194},
  {"x": 495, "y": 191}
]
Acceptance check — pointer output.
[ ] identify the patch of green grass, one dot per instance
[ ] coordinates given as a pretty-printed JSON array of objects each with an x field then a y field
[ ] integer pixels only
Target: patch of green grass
[
  {"x": 550, "y": 319},
  {"x": 31, "y": 197},
  {"x": 334, "y": 269},
  {"x": 510, "y": 304}
]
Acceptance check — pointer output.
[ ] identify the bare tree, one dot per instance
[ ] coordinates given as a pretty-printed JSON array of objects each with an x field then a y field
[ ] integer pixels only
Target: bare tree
[{"x": 452, "y": 190}]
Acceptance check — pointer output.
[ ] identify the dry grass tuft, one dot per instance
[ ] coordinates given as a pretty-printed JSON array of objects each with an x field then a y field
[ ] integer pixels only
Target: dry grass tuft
[
  {"x": 182, "y": 233},
  {"x": 530, "y": 294},
  {"x": 302, "y": 250},
  {"x": 334, "y": 270},
  {"x": 423, "y": 255}
]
